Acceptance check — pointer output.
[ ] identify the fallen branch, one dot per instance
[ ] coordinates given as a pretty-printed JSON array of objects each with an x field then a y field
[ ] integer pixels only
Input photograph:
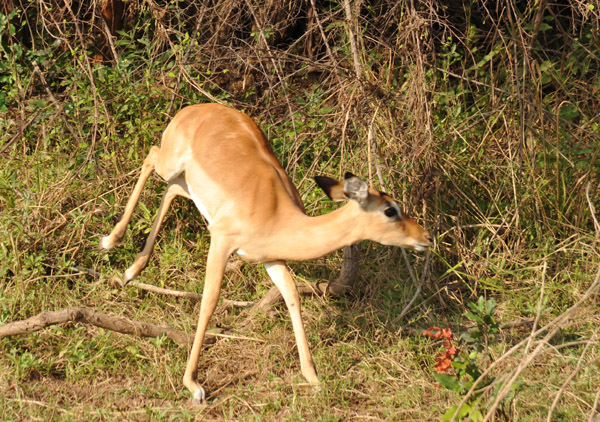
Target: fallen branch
[
  {"x": 109, "y": 322},
  {"x": 342, "y": 285},
  {"x": 90, "y": 316},
  {"x": 273, "y": 296}
]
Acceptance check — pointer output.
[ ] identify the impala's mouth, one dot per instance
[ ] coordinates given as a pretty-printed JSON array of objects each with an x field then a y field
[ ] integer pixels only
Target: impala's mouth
[{"x": 420, "y": 247}]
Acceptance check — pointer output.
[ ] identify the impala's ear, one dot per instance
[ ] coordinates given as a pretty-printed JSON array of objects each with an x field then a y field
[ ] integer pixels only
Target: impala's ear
[
  {"x": 333, "y": 188},
  {"x": 355, "y": 188},
  {"x": 351, "y": 188}
]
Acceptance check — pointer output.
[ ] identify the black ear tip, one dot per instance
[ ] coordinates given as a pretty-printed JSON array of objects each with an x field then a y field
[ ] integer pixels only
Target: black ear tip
[
  {"x": 348, "y": 175},
  {"x": 325, "y": 182}
]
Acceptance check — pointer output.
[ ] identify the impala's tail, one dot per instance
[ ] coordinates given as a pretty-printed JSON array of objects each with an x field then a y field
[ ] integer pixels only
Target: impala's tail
[{"x": 108, "y": 242}]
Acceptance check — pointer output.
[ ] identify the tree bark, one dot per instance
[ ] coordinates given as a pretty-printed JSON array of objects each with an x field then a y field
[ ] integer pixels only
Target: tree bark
[{"x": 348, "y": 274}]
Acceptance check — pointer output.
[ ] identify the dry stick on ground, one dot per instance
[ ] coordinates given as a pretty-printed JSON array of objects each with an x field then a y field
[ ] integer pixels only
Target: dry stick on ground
[
  {"x": 91, "y": 316},
  {"x": 273, "y": 296},
  {"x": 414, "y": 279},
  {"x": 186, "y": 295},
  {"x": 539, "y": 307},
  {"x": 170, "y": 292},
  {"x": 109, "y": 322},
  {"x": 337, "y": 288},
  {"x": 593, "y": 413},
  {"x": 592, "y": 210}
]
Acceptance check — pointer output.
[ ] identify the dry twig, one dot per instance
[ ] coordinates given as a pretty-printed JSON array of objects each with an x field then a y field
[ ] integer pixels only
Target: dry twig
[{"x": 186, "y": 295}]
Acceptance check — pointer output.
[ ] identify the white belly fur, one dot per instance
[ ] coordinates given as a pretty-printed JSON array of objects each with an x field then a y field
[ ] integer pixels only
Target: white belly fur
[{"x": 199, "y": 204}]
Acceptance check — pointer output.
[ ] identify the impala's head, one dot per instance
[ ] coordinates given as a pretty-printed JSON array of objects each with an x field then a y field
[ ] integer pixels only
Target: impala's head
[{"x": 386, "y": 222}]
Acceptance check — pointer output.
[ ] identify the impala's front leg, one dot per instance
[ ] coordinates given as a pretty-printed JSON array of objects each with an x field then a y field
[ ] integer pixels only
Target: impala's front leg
[
  {"x": 285, "y": 283},
  {"x": 215, "y": 268}
]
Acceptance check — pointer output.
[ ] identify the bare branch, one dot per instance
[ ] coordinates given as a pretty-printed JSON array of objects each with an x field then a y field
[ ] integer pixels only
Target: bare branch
[
  {"x": 350, "y": 23},
  {"x": 91, "y": 316},
  {"x": 183, "y": 294}
]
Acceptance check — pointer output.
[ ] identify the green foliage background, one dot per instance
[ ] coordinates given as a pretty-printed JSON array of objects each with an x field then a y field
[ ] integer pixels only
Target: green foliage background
[{"x": 481, "y": 118}]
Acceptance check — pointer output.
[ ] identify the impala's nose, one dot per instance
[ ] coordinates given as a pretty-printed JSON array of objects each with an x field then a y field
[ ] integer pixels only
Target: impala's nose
[
  {"x": 422, "y": 246},
  {"x": 429, "y": 237}
]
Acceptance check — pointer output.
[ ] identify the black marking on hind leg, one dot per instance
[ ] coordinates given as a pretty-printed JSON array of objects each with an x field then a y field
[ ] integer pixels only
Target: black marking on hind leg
[
  {"x": 144, "y": 243},
  {"x": 119, "y": 218}
]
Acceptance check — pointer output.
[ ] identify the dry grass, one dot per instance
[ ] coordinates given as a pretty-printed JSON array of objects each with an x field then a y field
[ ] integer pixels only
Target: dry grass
[{"x": 481, "y": 119}]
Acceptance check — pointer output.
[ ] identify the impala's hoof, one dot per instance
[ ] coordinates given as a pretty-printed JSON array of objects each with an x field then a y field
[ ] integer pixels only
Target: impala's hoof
[
  {"x": 129, "y": 275},
  {"x": 199, "y": 397},
  {"x": 311, "y": 386},
  {"x": 116, "y": 281},
  {"x": 106, "y": 243}
]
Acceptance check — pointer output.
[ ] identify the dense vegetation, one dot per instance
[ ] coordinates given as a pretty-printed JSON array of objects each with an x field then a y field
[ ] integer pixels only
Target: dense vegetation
[{"x": 481, "y": 117}]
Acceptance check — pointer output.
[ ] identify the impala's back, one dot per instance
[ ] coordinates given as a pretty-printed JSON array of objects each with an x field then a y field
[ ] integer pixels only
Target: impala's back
[{"x": 227, "y": 164}]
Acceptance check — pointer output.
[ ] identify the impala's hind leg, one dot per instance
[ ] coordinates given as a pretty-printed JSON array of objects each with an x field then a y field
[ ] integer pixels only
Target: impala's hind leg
[
  {"x": 118, "y": 232},
  {"x": 176, "y": 187}
]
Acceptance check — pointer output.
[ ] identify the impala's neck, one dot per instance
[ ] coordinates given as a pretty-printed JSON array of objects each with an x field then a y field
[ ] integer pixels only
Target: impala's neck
[{"x": 313, "y": 237}]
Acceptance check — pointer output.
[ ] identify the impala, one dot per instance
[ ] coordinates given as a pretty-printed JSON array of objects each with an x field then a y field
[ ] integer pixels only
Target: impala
[{"x": 219, "y": 158}]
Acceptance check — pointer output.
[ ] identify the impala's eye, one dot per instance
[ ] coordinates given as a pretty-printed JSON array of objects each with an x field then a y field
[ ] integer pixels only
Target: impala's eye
[{"x": 391, "y": 212}]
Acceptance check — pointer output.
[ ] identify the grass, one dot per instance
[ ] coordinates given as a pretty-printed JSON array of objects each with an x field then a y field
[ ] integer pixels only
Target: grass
[{"x": 490, "y": 142}]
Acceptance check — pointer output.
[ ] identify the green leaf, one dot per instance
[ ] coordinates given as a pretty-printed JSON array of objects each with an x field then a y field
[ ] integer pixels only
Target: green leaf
[
  {"x": 448, "y": 382},
  {"x": 35, "y": 104},
  {"x": 472, "y": 306},
  {"x": 490, "y": 306},
  {"x": 569, "y": 112},
  {"x": 462, "y": 413},
  {"x": 476, "y": 415},
  {"x": 473, "y": 317}
]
